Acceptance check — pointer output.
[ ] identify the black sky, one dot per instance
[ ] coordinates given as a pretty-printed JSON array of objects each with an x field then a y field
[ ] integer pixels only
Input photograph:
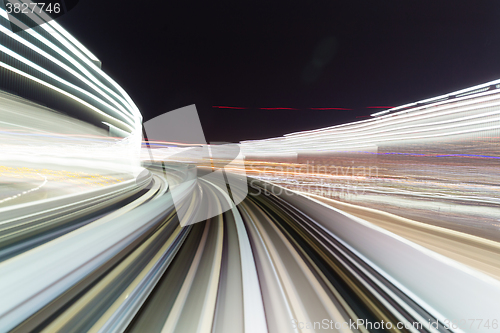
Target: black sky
[{"x": 297, "y": 54}]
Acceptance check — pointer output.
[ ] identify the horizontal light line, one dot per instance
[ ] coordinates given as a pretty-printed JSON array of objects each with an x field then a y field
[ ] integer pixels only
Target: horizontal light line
[
  {"x": 278, "y": 109},
  {"x": 228, "y": 107}
]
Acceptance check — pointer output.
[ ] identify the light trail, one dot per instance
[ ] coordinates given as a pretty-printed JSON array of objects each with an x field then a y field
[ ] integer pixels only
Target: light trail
[
  {"x": 191, "y": 244},
  {"x": 27, "y": 191}
]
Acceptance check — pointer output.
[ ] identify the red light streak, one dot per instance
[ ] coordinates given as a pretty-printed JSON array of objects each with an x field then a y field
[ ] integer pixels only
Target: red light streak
[{"x": 229, "y": 107}]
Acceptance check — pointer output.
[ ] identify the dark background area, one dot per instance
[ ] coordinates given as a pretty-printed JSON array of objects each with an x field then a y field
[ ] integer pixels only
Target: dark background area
[{"x": 295, "y": 54}]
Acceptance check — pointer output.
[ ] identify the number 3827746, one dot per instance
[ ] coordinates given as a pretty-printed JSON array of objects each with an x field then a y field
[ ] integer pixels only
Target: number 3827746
[{"x": 33, "y": 7}]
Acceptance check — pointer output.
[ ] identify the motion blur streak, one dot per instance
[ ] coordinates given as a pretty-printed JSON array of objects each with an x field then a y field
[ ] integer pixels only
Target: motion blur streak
[
  {"x": 457, "y": 117},
  {"x": 255, "y": 268},
  {"x": 91, "y": 241}
]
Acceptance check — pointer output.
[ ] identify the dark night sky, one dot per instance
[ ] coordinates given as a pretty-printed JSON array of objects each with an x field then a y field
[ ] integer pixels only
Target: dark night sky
[{"x": 297, "y": 54}]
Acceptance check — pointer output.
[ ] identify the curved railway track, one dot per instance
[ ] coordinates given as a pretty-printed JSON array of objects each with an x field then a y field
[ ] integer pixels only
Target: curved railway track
[{"x": 121, "y": 261}]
